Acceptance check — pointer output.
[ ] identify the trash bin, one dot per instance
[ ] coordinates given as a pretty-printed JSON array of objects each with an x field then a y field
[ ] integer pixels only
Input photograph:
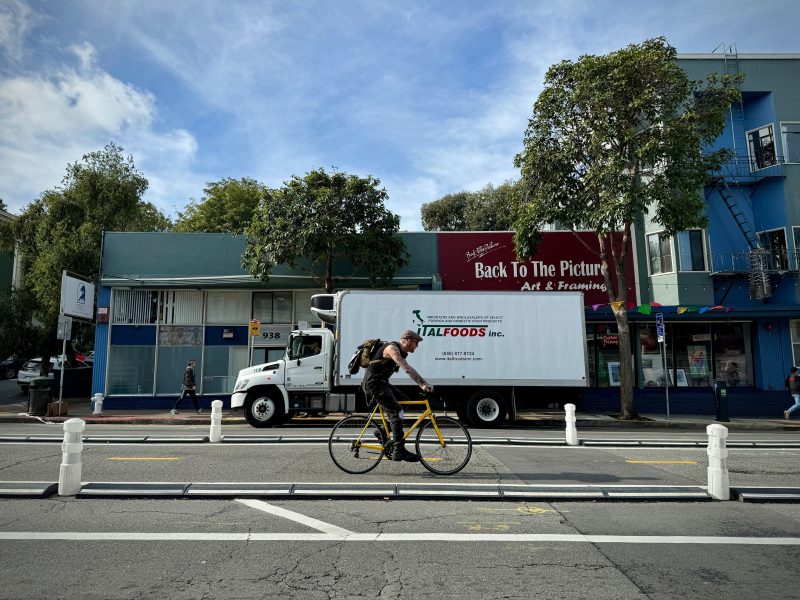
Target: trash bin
[
  {"x": 40, "y": 394},
  {"x": 721, "y": 400}
]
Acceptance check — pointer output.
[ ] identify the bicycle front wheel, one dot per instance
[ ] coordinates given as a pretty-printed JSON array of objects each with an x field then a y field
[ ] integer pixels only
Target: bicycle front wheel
[
  {"x": 448, "y": 455},
  {"x": 356, "y": 444}
]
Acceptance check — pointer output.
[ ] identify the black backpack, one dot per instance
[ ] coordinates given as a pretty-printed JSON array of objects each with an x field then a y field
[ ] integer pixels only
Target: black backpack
[{"x": 364, "y": 354}]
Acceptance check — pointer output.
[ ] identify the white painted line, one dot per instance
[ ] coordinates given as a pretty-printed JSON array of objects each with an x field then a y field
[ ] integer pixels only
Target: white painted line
[
  {"x": 332, "y": 530},
  {"x": 77, "y": 536}
]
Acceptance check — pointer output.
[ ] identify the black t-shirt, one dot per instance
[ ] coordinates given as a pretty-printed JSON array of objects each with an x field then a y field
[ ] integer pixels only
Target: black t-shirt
[{"x": 379, "y": 371}]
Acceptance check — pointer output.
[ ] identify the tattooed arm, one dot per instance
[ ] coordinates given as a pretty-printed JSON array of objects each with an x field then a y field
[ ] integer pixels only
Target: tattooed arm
[{"x": 392, "y": 352}]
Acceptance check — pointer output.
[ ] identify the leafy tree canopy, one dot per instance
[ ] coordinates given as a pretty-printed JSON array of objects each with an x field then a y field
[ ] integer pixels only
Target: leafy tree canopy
[
  {"x": 62, "y": 229},
  {"x": 613, "y": 137},
  {"x": 489, "y": 209},
  {"x": 227, "y": 207},
  {"x": 322, "y": 216}
]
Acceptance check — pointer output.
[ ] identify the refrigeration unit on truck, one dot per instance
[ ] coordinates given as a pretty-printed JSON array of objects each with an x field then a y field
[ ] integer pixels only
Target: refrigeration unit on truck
[{"x": 482, "y": 351}]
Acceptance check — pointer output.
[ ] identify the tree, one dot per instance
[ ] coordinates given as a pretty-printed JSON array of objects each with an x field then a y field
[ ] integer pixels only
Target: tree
[
  {"x": 319, "y": 217},
  {"x": 62, "y": 229},
  {"x": 3, "y": 205},
  {"x": 227, "y": 207},
  {"x": 489, "y": 209},
  {"x": 611, "y": 138}
]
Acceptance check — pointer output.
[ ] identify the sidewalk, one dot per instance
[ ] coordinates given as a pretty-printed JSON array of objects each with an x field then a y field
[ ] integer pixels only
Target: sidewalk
[{"x": 81, "y": 408}]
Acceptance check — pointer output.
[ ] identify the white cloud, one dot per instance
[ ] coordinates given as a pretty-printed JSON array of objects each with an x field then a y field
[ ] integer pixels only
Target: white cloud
[
  {"x": 50, "y": 119},
  {"x": 16, "y": 20}
]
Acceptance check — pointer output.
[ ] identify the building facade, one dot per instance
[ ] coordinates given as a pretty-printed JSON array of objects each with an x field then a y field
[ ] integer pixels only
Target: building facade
[{"x": 728, "y": 294}]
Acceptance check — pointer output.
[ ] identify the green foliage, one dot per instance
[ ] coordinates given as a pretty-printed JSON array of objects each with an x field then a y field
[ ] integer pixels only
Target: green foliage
[
  {"x": 319, "y": 217},
  {"x": 611, "y": 138},
  {"x": 62, "y": 229},
  {"x": 489, "y": 209},
  {"x": 227, "y": 207},
  {"x": 19, "y": 336}
]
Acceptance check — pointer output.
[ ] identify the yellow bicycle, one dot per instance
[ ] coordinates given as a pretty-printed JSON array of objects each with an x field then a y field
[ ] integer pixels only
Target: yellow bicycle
[{"x": 358, "y": 443}]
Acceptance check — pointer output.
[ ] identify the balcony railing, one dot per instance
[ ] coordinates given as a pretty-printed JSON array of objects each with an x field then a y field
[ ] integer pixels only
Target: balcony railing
[
  {"x": 739, "y": 262},
  {"x": 750, "y": 169}
]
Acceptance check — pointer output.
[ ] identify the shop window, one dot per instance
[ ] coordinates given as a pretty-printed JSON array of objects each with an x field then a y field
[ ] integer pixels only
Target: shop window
[
  {"x": 691, "y": 345},
  {"x": 602, "y": 342},
  {"x": 794, "y": 327},
  {"x": 180, "y": 307},
  {"x": 130, "y": 370},
  {"x": 177, "y": 345},
  {"x": 221, "y": 365},
  {"x": 652, "y": 360},
  {"x": 731, "y": 347},
  {"x": 272, "y": 307},
  {"x": 660, "y": 252},
  {"x": 761, "y": 147},
  {"x": 134, "y": 306},
  {"x": 791, "y": 141},
  {"x": 691, "y": 250},
  {"x": 227, "y": 308}
]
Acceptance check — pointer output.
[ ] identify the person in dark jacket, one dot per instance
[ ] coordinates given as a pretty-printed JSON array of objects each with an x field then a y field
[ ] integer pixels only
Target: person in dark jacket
[
  {"x": 390, "y": 358},
  {"x": 793, "y": 384},
  {"x": 188, "y": 388}
]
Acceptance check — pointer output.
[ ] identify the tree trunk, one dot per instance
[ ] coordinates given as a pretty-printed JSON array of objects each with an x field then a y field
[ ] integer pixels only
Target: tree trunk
[{"x": 627, "y": 410}]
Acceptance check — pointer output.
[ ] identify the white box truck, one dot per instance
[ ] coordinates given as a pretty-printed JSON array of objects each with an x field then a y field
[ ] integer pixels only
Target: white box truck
[{"x": 481, "y": 351}]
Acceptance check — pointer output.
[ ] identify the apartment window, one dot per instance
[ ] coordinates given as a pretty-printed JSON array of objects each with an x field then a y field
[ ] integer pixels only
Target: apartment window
[
  {"x": 761, "y": 147},
  {"x": 690, "y": 250},
  {"x": 791, "y": 141},
  {"x": 775, "y": 242},
  {"x": 794, "y": 327},
  {"x": 660, "y": 251}
]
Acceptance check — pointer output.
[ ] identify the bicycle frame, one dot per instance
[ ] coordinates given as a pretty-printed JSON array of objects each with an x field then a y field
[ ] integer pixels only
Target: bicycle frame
[{"x": 427, "y": 413}]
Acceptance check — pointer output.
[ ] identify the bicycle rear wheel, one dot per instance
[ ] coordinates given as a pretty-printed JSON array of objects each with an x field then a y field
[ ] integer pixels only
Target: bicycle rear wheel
[
  {"x": 345, "y": 444},
  {"x": 444, "y": 459}
]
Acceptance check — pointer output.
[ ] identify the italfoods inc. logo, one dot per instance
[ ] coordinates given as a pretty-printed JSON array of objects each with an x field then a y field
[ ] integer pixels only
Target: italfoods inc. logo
[{"x": 458, "y": 325}]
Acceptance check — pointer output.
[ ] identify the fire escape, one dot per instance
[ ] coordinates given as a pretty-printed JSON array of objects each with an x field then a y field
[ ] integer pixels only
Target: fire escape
[{"x": 736, "y": 183}]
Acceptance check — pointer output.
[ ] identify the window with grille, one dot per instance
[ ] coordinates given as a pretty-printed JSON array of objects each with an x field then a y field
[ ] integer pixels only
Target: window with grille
[
  {"x": 135, "y": 306},
  {"x": 180, "y": 307}
]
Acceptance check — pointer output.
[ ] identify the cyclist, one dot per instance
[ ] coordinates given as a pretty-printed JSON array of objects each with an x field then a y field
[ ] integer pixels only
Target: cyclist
[{"x": 390, "y": 358}]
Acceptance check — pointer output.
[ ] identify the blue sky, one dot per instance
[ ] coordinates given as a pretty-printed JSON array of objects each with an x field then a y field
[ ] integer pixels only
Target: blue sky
[{"x": 431, "y": 97}]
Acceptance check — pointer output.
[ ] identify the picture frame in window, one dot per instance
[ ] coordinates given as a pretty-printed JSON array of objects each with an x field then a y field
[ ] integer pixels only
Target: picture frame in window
[{"x": 613, "y": 374}]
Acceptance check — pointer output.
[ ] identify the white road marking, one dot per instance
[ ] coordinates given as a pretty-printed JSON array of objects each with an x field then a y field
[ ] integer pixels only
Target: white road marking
[
  {"x": 397, "y": 537},
  {"x": 331, "y": 530}
]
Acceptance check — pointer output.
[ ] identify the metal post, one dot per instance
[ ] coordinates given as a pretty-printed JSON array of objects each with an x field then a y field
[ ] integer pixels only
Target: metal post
[
  {"x": 69, "y": 477},
  {"x": 215, "y": 434},
  {"x": 718, "y": 478},
  {"x": 98, "y": 404},
  {"x": 666, "y": 374},
  {"x": 63, "y": 368},
  {"x": 572, "y": 432}
]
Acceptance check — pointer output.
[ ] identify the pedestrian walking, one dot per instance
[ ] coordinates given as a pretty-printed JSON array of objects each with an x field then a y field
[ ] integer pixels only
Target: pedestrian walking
[
  {"x": 188, "y": 388},
  {"x": 794, "y": 389}
]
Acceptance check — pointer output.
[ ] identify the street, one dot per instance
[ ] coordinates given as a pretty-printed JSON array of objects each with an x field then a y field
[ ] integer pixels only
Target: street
[{"x": 328, "y": 547}]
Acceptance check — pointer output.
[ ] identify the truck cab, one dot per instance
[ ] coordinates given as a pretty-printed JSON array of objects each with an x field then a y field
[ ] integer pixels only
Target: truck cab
[{"x": 299, "y": 382}]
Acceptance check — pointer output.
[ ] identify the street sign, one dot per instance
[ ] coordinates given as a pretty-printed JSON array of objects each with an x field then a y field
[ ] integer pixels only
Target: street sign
[
  {"x": 64, "y": 331},
  {"x": 255, "y": 328},
  {"x": 660, "y": 327}
]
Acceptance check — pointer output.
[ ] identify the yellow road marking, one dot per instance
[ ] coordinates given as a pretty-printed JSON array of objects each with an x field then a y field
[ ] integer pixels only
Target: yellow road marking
[
  {"x": 526, "y": 510},
  {"x": 141, "y": 458},
  {"x": 662, "y": 462}
]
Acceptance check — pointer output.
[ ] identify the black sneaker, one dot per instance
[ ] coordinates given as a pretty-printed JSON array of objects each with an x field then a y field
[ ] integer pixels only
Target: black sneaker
[{"x": 401, "y": 454}]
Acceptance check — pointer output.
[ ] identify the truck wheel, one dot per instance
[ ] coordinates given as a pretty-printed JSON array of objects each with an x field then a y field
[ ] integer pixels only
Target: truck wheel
[
  {"x": 263, "y": 410},
  {"x": 486, "y": 409}
]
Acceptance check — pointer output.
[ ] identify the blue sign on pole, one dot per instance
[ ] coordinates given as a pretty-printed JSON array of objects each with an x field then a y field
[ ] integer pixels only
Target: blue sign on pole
[{"x": 660, "y": 326}]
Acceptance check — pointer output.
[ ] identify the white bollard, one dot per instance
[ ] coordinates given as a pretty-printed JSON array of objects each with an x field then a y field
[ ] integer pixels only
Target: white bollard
[
  {"x": 719, "y": 486},
  {"x": 69, "y": 478},
  {"x": 572, "y": 432},
  {"x": 98, "y": 404},
  {"x": 216, "y": 422}
]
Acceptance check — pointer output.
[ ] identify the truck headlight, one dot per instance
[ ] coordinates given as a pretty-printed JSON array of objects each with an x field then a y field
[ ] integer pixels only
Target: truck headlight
[{"x": 241, "y": 384}]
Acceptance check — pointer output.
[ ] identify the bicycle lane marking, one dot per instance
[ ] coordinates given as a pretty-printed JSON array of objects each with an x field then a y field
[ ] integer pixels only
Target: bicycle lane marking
[{"x": 296, "y": 517}]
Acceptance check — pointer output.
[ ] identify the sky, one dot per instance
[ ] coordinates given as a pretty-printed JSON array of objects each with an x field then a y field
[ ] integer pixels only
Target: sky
[{"x": 432, "y": 97}]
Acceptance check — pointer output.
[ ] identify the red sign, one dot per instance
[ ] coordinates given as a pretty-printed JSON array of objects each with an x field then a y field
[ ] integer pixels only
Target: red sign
[{"x": 485, "y": 261}]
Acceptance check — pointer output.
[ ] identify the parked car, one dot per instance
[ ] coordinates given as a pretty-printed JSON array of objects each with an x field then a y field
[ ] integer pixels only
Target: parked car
[
  {"x": 33, "y": 369},
  {"x": 10, "y": 366}
]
